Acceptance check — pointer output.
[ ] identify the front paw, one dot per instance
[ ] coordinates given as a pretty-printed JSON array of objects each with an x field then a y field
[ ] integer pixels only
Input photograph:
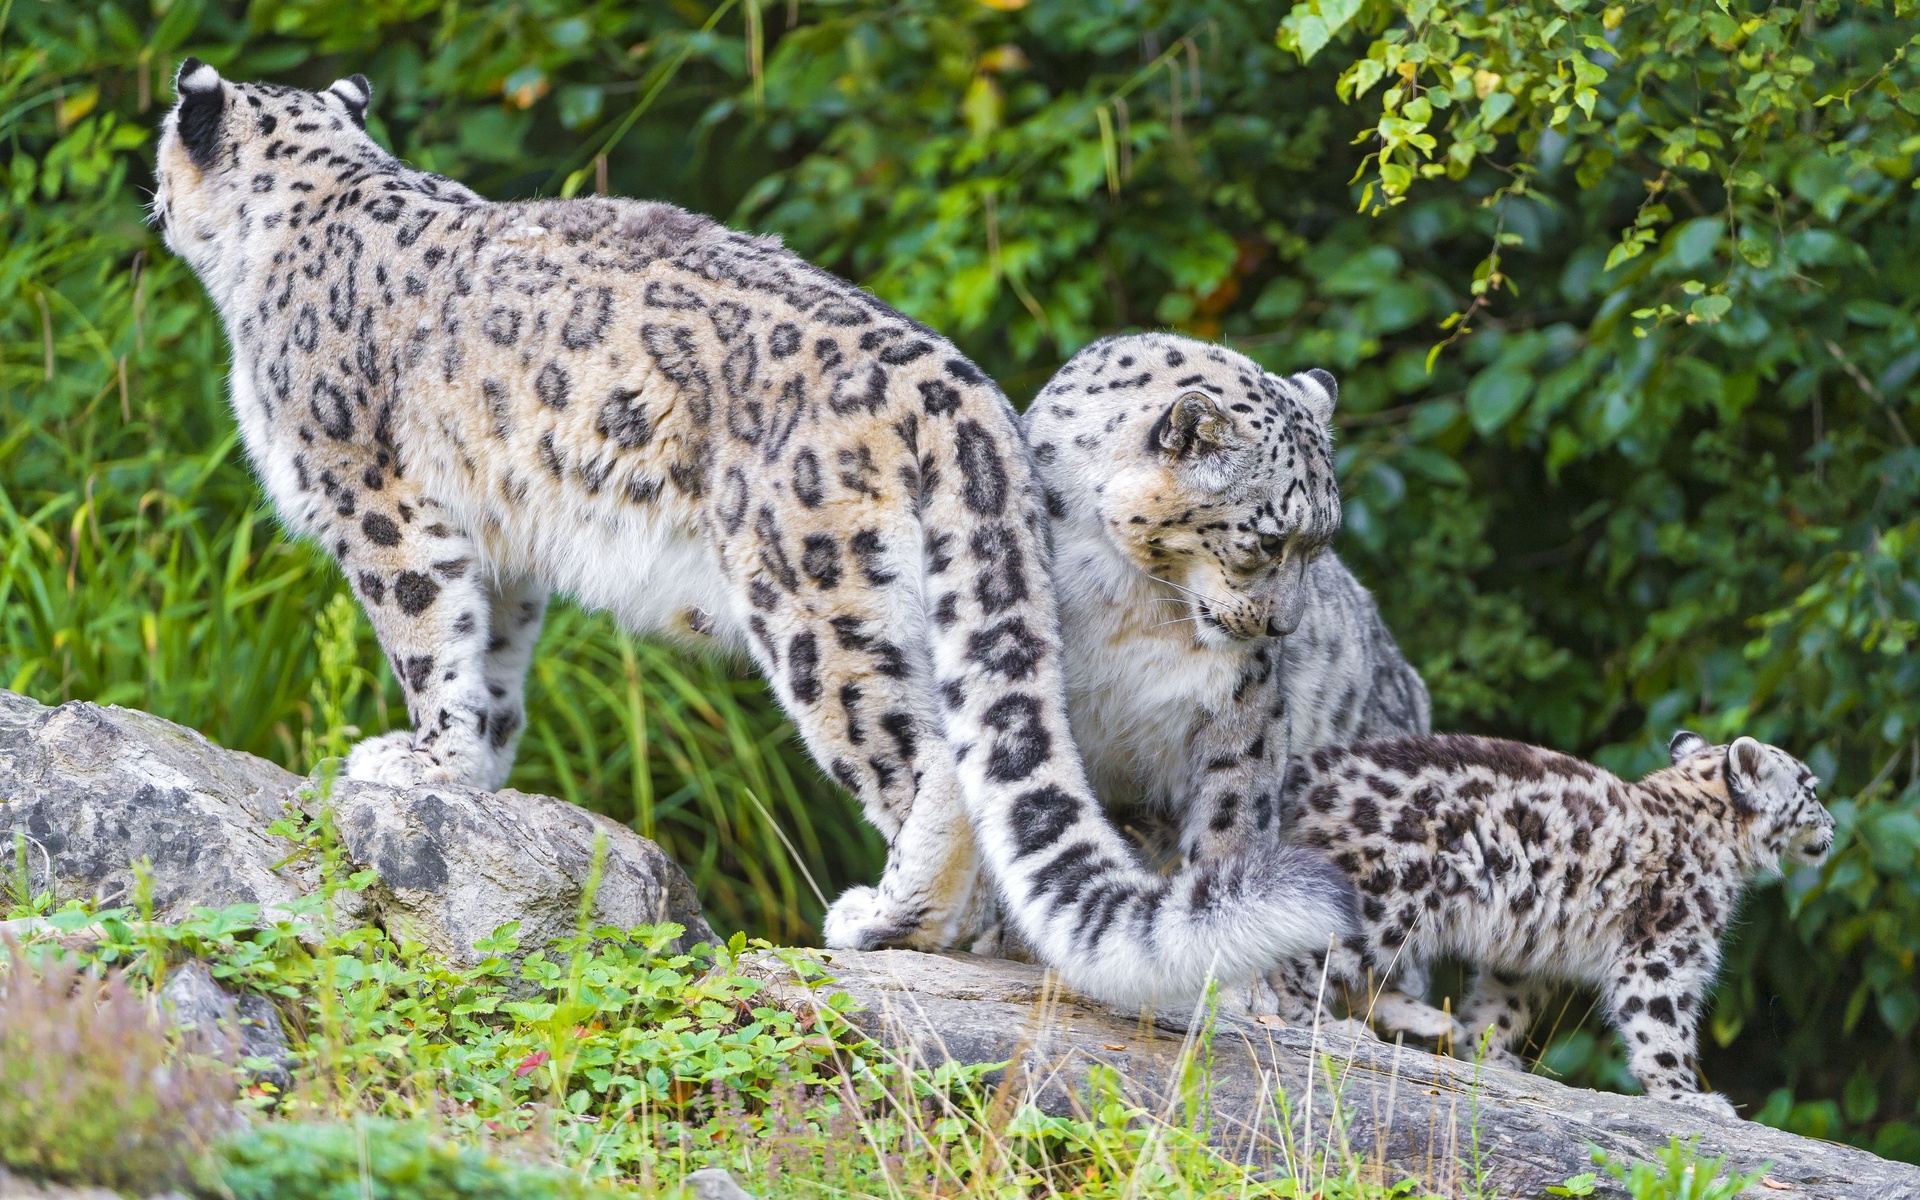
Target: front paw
[
  {"x": 863, "y": 919},
  {"x": 1712, "y": 1102},
  {"x": 394, "y": 759},
  {"x": 1346, "y": 1032}
]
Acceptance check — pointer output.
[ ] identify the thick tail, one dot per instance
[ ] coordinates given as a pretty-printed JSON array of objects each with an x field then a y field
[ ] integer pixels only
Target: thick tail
[{"x": 1069, "y": 881}]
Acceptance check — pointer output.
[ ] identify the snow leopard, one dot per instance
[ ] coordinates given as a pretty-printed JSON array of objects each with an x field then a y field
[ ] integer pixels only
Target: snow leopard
[
  {"x": 1538, "y": 868},
  {"x": 1209, "y": 633},
  {"x": 471, "y": 404}
]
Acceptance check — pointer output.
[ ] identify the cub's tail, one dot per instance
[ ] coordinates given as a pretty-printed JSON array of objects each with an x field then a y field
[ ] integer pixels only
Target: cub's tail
[{"x": 1071, "y": 884}]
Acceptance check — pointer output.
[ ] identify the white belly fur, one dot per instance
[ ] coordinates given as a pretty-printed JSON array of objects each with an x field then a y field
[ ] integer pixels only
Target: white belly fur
[
  {"x": 647, "y": 566},
  {"x": 1137, "y": 680}
]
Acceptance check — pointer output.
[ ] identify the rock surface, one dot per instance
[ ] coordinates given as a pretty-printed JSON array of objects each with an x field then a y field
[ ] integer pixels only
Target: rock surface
[
  {"x": 94, "y": 788},
  {"x": 244, "y": 1026},
  {"x": 715, "y": 1184},
  {"x": 1404, "y": 1110}
]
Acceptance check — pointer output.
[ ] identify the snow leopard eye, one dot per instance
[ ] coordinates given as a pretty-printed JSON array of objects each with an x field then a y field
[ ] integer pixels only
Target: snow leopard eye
[{"x": 1272, "y": 545}]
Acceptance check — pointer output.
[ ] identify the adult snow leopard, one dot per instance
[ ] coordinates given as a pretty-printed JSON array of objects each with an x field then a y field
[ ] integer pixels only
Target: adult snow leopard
[
  {"x": 470, "y": 403},
  {"x": 1537, "y": 867},
  {"x": 1208, "y": 633}
]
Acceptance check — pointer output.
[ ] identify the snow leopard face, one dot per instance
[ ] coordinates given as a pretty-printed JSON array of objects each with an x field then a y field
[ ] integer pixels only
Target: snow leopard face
[
  {"x": 1201, "y": 469},
  {"x": 1775, "y": 790}
]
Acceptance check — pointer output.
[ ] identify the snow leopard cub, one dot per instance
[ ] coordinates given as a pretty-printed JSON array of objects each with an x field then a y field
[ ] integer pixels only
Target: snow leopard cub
[
  {"x": 1208, "y": 632},
  {"x": 1537, "y": 867},
  {"x": 471, "y": 403}
]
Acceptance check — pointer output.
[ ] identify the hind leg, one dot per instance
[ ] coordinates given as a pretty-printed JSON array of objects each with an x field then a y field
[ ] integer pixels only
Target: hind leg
[
  {"x": 928, "y": 896},
  {"x": 864, "y": 705},
  {"x": 516, "y": 608}
]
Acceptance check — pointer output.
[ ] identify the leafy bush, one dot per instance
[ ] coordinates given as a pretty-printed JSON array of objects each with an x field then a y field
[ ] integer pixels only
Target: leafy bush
[
  {"x": 378, "y": 1160},
  {"x": 1663, "y": 474},
  {"x": 91, "y": 1089}
]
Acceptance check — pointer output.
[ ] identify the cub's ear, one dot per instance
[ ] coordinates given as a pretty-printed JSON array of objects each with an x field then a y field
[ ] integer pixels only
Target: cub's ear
[
  {"x": 1320, "y": 391},
  {"x": 1686, "y": 744},
  {"x": 356, "y": 93},
  {"x": 1194, "y": 425},
  {"x": 1745, "y": 758},
  {"x": 202, "y": 104}
]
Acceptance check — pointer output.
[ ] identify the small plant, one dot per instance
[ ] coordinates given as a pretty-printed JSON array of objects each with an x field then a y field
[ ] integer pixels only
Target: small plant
[
  {"x": 337, "y": 685},
  {"x": 91, "y": 1089},
  {"x": 378, "y": 1160},
  {"x": 1676, "y": 1173}
]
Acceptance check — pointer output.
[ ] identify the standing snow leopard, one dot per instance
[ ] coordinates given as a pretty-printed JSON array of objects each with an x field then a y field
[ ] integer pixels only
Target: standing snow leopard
[
  {"x": 470, "y": 403},
  {"x": 1208, "y": 634},
  {"x": 1536, "y": 867}
]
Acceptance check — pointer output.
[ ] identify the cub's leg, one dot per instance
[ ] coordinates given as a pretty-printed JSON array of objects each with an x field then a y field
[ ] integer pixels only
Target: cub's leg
[
  {"x": 418, "y": 578},
  {"x": 1498, "y": 1011},
  {"x": 1656, "y": 1005},
  {"x": 515, "y": 610},
  {"x": 864, "y": 705}
]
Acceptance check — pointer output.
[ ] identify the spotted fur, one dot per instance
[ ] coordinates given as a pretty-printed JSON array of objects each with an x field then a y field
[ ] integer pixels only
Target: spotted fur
[
  {"x": 1536, "y": 867},
  {"x": 1209, "y": 634},
  {"x": 470, "y": 404}
]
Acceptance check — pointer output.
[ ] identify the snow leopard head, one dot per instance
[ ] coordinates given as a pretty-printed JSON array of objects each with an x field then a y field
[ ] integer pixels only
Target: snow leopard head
[
  {"x": 1775, "y": 791},
  {"x": 232, "y": 154},
  {"x": 1199, "y": 467}
]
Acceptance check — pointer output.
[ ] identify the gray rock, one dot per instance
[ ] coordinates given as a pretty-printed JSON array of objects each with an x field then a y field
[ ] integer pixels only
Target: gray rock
[
  {"x": 456, "y": 863},
  {"x": 95, "y": 788},
  {"x": 241, "y": 1027},
  {"x": 1421, "y": 1114},
  {"x": 715, "y": 1184}
]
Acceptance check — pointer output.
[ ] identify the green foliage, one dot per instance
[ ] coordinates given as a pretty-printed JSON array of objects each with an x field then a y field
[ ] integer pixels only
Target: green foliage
[
  {"x": 382, "y": 1160},
  {"x": 1676, "y": 1173},
  {"x": 623, "y": 1066},
  {"x": 92, "y": 1092},
  {"x": 1663, "y": 472}
]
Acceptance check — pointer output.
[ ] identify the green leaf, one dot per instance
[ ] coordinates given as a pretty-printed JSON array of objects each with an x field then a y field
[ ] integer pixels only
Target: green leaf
[
  {"x": 1758, "y": 252},
  {"x": 1709, "y": 309},
  {"x": 176, "y": 25},
  {"x": 1308, "y": 28},
  {"x": 1494, "y": 396}
]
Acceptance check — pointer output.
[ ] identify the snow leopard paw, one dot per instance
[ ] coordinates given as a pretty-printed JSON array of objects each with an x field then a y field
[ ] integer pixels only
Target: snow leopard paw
[
  {"x": 394, "y": 759},
  {"x": 1712, "y": 1102},
  {"x": 1396, "y": 1012},
  {"x": 863, "y": 919},
  {"x": 1345, "y": 1032}
]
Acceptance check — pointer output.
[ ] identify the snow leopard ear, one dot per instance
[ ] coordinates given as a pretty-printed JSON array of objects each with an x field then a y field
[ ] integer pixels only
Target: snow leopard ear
[
  {"x": 1686, "y": 744},
  {"x": 1745, "y": 760},
  {"x": 202, "y": 104},
  {"x": 356, "y": 93},
  {"x": 1195, "y": 424},
  {"x": 1321, "y": 392}
]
